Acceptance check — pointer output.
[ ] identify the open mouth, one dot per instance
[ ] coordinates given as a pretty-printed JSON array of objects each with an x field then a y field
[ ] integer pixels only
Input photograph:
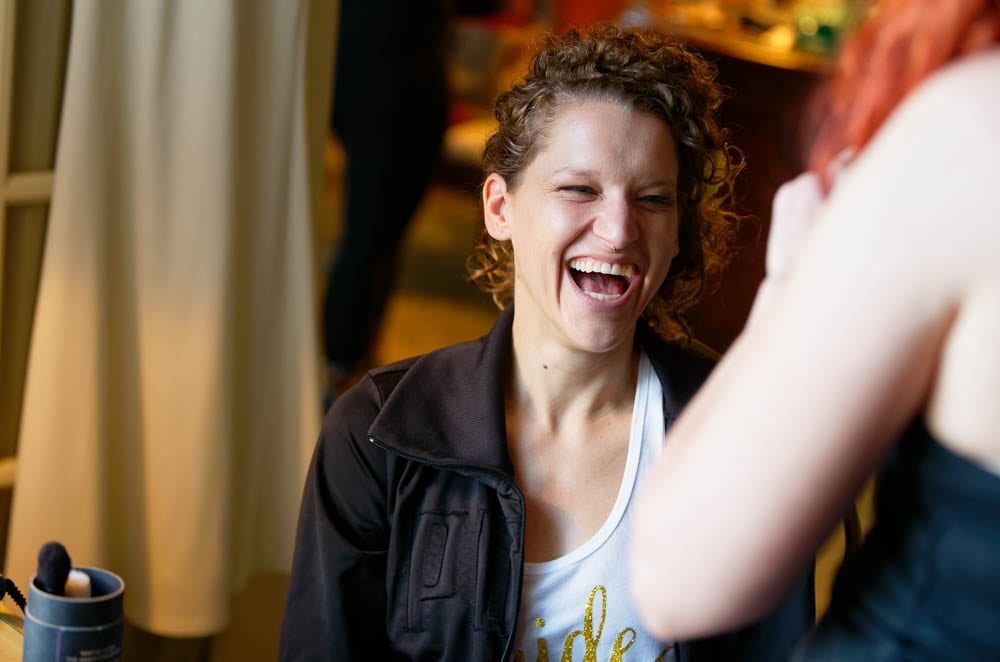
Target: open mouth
[{"x": 600, "y": 280}]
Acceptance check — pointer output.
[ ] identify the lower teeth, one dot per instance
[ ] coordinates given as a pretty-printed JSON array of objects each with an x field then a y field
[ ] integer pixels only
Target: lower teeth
[{"x": 602, "y": 297}]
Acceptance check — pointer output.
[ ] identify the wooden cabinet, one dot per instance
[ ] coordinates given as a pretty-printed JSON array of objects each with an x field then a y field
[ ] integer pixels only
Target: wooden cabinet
[{"x": 765, "y": 110}]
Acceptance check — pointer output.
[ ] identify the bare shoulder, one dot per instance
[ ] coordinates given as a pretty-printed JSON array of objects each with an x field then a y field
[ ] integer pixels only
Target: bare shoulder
[
  {"x": 957, "y": 107},
  {"x": 929, "y": 176},
  {"x": 976, "y": 78},
  {"x": 966, "y": 90}
]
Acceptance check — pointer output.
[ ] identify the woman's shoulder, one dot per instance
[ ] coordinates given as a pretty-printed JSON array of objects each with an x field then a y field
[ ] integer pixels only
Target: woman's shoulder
[
  {"x": 977, "y": 75},
  {"x": 962, "y": 100},
  {"x": 932, "y": 157},
  {"x": 443, "y": 390},
  {"x": 379, "y": 382}
]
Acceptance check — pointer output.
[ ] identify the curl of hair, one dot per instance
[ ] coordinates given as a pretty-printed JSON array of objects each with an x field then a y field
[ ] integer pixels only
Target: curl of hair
[
  {"x": 901, "y": 44},
  {"x": 644, "y": 71}
]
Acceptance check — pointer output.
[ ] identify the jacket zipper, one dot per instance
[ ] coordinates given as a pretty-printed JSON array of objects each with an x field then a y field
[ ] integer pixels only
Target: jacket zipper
[
  {"x": 520, "y": 548},
  {"x": 519, "y": 579}
]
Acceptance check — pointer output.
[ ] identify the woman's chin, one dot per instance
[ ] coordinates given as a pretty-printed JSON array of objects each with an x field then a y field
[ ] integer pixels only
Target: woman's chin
[{"x": 601, "y": 338}]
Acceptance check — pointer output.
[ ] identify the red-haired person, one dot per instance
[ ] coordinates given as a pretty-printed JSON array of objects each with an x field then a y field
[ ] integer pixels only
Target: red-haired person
[{"x": 875, "y": 348}]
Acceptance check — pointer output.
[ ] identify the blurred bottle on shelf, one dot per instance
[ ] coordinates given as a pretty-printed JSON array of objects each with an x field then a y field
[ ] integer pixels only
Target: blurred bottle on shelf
[{"x": 821, "y": 24}]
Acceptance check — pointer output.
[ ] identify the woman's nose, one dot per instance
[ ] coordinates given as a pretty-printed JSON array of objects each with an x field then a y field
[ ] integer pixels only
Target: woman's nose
[{"x": 616, "y": 223}]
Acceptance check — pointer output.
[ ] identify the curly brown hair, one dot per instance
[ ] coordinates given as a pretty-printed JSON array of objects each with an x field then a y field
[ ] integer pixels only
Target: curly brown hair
[{"x": 644, "y": 71}]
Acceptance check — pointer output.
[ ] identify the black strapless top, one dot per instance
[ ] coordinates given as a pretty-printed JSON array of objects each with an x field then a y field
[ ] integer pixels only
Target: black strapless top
[{"x": 925, "y": 584}]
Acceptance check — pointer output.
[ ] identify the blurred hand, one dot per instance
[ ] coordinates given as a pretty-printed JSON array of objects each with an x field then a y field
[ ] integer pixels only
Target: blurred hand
[{"x": 793, "y": 212}]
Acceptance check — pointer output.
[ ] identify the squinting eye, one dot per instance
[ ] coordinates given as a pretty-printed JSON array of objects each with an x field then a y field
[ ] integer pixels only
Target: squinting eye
[
  {"x": 658, "y": 201},
  {"x": 578, "y": 188}
]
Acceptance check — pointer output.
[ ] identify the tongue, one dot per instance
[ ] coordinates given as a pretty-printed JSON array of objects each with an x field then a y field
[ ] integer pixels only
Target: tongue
[{"x": 601, "y": 283}]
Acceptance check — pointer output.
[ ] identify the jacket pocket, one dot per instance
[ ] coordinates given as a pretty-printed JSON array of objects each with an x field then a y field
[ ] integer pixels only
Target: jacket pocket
[{"x": 434, "y": 562}]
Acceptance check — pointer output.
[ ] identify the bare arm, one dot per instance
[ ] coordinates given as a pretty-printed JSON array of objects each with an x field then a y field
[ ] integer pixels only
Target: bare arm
[{"x": 764, "y": 461}]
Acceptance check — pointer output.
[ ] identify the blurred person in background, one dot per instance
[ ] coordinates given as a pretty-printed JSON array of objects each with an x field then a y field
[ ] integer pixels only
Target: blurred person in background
[
  {"x": 474, "y": 503},
  {"x": 872, "y": 346},
  {"x": 390, "y": 111}
]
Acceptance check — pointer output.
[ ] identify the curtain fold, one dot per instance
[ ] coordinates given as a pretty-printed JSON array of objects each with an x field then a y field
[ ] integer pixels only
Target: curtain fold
[{"x": 171, "y": 399}]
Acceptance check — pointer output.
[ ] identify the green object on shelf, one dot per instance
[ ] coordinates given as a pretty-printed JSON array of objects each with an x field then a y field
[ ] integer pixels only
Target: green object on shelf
[{"x": 820, "y": 24}]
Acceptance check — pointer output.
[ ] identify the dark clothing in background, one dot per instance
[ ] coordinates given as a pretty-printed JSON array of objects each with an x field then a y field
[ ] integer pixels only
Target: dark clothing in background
[
  {"x": 410, "y": 539},
  {"x": 925, "y": 584},
  {"x": 390, "y": 112}
]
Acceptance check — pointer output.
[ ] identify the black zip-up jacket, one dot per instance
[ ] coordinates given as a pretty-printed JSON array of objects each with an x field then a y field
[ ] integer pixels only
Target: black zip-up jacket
[{"x": 411, "y": 533}]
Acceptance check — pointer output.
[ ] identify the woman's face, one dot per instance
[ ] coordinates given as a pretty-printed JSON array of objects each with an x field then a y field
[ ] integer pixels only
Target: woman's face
[{"x": 593, "y": 224}]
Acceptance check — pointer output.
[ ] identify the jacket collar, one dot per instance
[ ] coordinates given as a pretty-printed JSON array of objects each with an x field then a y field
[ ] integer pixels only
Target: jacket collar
[{"x": 447, "y": 408}]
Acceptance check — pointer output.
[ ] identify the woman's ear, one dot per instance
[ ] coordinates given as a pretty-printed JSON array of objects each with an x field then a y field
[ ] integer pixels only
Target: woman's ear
[{"x": 495, "y": 206}]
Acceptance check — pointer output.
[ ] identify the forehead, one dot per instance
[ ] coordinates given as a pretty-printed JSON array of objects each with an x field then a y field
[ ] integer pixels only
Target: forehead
[{"x": 607, "y": 136}]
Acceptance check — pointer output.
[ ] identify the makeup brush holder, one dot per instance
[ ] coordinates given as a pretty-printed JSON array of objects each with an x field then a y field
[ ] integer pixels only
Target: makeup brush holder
[{"x": 63, "y": 629}]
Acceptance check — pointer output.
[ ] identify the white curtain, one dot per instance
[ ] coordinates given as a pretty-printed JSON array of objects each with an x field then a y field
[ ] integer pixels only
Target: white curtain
[{"x": 171, "y": 401}]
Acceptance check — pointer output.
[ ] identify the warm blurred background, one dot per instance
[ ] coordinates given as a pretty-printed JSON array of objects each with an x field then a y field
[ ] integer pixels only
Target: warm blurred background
[{"x": 771, "y": 56}]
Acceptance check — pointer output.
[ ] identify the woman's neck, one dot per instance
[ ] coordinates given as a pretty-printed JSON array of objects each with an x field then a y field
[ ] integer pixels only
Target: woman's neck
[{"x": 552, "y": 383}]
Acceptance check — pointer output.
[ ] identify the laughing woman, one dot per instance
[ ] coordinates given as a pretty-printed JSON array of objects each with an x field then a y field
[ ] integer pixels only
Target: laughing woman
[{"x": 473, "y": 503}]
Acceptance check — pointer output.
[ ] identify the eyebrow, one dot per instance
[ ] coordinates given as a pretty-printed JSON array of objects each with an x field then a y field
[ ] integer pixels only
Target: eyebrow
[
  {"x": 666, "y": 183},
  {"x": 571, "y": 170}
]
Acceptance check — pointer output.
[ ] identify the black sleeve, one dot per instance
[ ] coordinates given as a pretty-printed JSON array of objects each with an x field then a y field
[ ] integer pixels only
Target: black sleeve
[{"x": 336, "y": 605}]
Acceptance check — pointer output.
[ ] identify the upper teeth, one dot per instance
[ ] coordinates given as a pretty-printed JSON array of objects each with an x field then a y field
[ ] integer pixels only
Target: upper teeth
[{"x": 593, "y": 266}]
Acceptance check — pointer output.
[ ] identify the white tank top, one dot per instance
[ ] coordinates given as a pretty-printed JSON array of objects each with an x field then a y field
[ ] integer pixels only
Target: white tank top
[{"x": 577, "y": 607}]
